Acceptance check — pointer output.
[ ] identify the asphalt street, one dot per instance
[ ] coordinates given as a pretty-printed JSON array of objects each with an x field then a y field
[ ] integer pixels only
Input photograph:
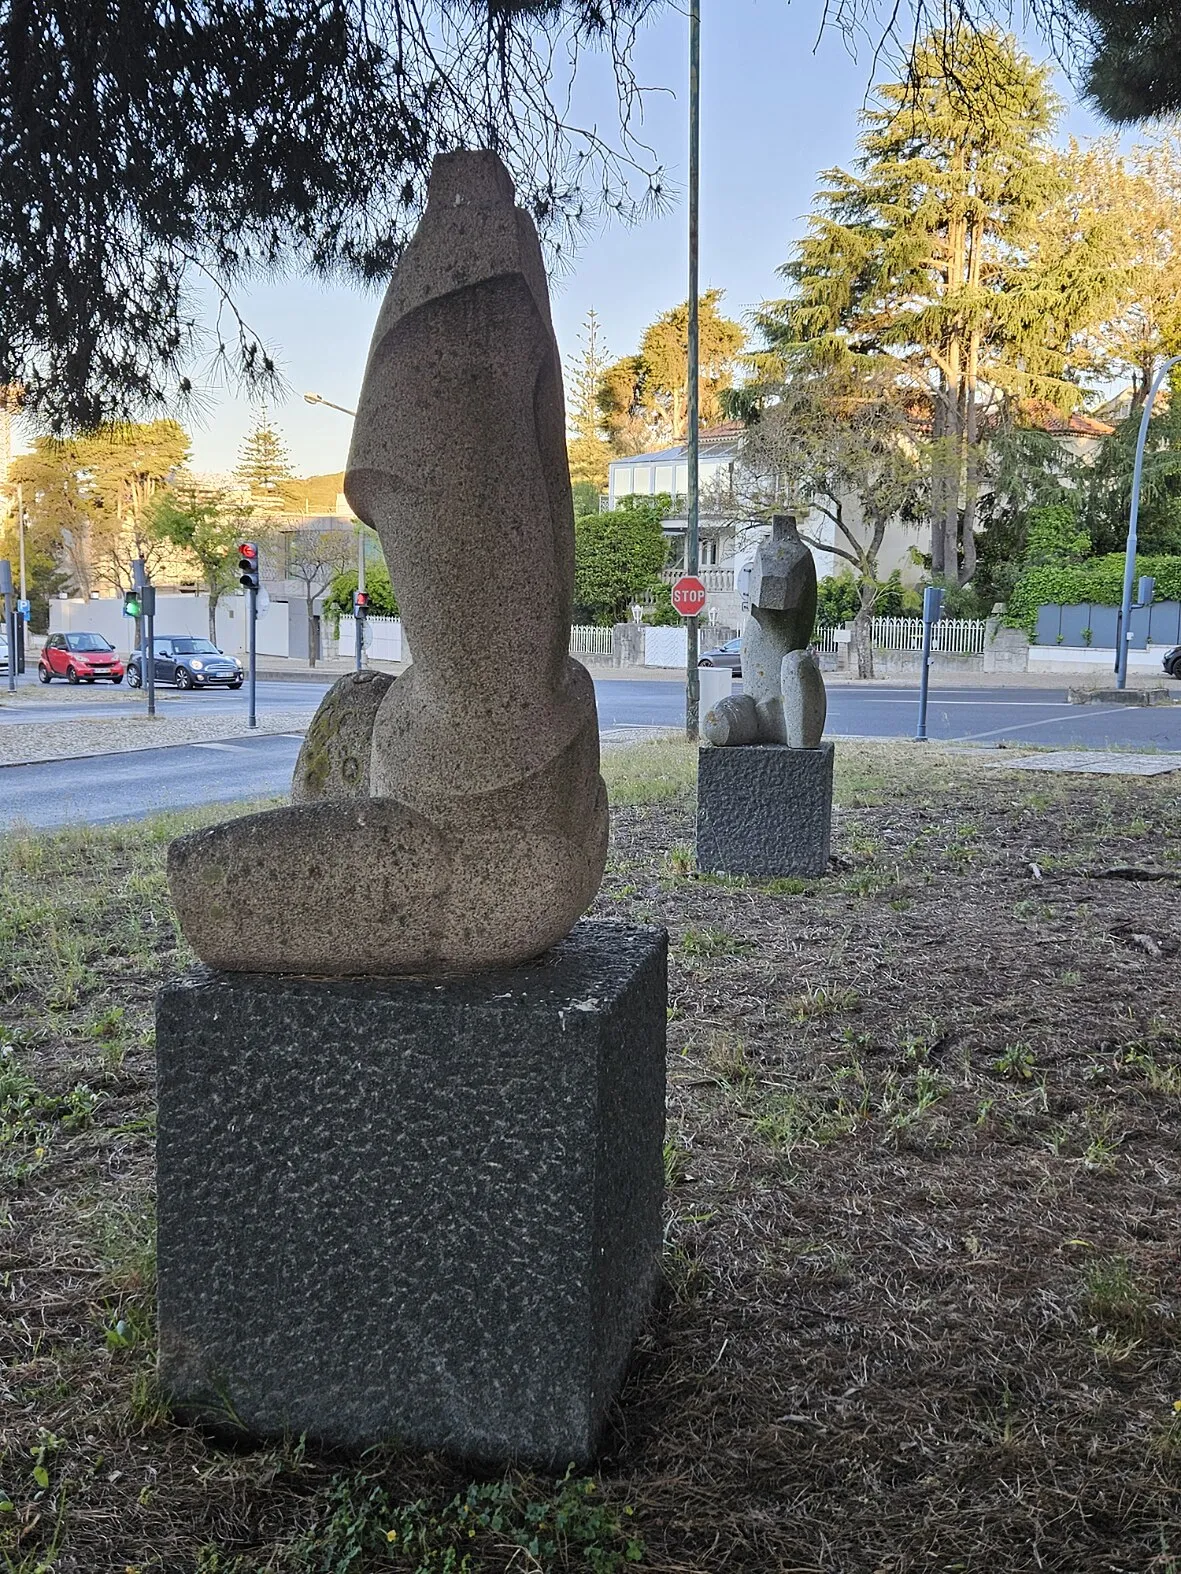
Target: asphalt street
[{"x": 123, "y": 786}]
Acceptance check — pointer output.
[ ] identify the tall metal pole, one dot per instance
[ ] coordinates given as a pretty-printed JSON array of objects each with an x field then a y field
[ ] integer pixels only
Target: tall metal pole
[
  {"x": 1124, "y": 628},
  {"x": 22, "y": 622},
  {"x": 358, "y": 630},
  {"x": 692, "y": 549},
  {"x": 251, "y": 653}
]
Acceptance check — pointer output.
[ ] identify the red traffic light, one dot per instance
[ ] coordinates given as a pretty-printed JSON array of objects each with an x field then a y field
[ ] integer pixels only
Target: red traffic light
[
  {"x": 361, "y": 598},
  {"x": 247, "y": 549}
]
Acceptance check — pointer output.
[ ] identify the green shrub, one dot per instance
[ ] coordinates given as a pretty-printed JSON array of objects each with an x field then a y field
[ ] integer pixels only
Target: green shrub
[{"x": 1098, "y": 580}]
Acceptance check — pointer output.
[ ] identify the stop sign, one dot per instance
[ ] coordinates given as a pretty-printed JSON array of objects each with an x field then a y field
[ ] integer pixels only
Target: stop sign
[{"x": 688, "y": 595}]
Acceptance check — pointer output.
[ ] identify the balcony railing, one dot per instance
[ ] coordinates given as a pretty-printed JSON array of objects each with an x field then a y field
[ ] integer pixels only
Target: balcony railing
[{"x": 714, "y": 579}]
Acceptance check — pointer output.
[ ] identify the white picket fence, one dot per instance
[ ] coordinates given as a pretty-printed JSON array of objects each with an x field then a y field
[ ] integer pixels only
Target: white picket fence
[
  {"x": 383, "y": 639},
  {"x": 951, "y": 636},
  {"x": 587, "y": 639}
]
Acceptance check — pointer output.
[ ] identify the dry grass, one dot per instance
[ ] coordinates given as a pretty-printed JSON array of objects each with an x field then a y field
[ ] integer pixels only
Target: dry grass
[{"x": 924, "y": 1227}]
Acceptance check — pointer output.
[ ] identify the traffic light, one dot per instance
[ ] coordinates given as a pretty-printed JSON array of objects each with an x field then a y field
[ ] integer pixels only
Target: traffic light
[
  {"x": 132, "y": 604},
  {"x": 360, "y": 603},
  {"x": 248, "y": 565}
]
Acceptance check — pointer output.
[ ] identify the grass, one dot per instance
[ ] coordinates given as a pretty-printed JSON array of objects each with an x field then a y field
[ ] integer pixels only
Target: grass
[{"x": 922, "y": 1301}]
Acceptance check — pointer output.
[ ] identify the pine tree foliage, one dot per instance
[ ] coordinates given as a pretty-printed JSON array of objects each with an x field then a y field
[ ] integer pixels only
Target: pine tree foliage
[
  {"x": 263, "y": 464},
  {"x": 1134, "y": 71},
  {"x": 589, "y": 451},
  {"x": 954, "y": 249},
  {"x": 643, "y": 398},
  {"x": 151, "y": 149}
]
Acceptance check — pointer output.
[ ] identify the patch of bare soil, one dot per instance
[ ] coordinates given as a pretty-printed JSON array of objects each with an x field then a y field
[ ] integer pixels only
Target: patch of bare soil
[{"x": 924, "y": 1216}]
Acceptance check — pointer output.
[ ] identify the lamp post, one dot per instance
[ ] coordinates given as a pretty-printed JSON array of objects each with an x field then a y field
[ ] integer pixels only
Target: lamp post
[
  {"x": 315, "y": 398},
  {"x": 692, "y": 551},
  {"x": 1124, "y": 631}
]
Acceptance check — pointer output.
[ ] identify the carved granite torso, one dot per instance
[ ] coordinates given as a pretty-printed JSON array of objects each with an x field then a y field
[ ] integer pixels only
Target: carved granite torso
[{"x": 476, "y": 836}]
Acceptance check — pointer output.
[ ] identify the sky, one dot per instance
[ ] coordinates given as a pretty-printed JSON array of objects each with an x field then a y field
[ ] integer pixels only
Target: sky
[{"x": 777, "y": 107}]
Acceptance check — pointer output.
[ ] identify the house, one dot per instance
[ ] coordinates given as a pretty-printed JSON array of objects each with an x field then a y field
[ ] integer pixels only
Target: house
[{"x": 727, "y": 542}]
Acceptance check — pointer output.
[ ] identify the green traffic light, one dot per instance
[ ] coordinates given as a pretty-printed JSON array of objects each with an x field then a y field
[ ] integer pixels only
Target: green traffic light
[{"x": 131, "y": 606}]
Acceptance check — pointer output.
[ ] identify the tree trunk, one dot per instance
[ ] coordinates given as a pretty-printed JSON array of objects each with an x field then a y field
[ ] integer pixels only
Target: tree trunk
[
  {"x": 971, "y": 479},
  {"x": 861, "y": 641},
  {"x": 214, "y": 597},
  {"x": 311, "y": 634}
]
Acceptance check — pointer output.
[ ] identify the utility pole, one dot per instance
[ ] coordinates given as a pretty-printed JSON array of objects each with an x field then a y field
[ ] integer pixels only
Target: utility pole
[
  {"x": 359, "y": 652},
  {"x": 1124, "y": 628},
  {"x": 23, "y": 608},
  {"x": 692, "y": 548}
]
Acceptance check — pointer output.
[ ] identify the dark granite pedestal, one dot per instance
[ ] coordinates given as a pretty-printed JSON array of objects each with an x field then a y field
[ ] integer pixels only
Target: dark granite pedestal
[
  {"x": 414, "y": 1210},
  {"x": 764, "y": 809}
]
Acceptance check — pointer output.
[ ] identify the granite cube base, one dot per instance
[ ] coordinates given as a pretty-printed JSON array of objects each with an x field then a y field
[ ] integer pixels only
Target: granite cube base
[
  {"x": 414, "y": 1210},
  {"x": 764, "y": 809}
]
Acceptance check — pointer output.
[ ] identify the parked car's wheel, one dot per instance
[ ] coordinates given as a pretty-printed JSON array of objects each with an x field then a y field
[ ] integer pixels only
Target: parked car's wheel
[
  {"x": 1174, "y": 667},
  {"x": 134, "y": 678},
  {"x": 116, "y": 677},
  {"x": 184, "y": 678},
  {"x": 43, "y": 674},
  {"x": 71, "y": 675},
  {"x": 705, "y": 662}
]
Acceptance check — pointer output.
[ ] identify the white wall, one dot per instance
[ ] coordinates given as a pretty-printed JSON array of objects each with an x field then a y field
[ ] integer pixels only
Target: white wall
[{"x": 175, "y": 615}]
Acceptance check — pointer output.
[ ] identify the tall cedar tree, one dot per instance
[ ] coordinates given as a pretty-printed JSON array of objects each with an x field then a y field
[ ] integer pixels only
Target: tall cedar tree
[
  {"x": 1135, "y": 58},
  {"x": 152, "y": 149},
  {"x": 263, "y": 464},
  {"x": 643, "y": 398},
  {"x": 953, "y": 250},
  {"x": 588, "y": 449}
]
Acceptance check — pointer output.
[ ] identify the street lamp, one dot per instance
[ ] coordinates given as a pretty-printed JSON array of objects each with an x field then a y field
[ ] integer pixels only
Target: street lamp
[
  {"x": 1125, "y": 615},
  {"x": 315, "y": 398}
]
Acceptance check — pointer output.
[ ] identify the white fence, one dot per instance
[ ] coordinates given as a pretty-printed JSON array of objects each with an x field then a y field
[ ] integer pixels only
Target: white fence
[
  {"x": 383, "y": 639},
  {"x": 587, "y": 639},
  {"x": 951, "y": 636}
]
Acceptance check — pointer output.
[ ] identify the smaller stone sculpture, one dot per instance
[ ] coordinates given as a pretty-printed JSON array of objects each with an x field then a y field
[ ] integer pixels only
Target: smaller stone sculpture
[{"x": 784, "y": 700}]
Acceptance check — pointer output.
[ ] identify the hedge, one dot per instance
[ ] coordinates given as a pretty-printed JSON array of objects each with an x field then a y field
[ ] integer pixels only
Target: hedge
[{"x": 1099, "y": 580}]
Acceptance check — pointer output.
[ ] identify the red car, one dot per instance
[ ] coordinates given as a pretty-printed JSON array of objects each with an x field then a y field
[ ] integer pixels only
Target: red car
[{"x": 79, "y": 658}]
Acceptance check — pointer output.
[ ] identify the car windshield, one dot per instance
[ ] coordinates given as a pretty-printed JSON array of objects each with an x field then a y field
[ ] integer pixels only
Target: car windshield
[
  {"x": 194, "y": 647},
  {"x": 87, "y": 642}
]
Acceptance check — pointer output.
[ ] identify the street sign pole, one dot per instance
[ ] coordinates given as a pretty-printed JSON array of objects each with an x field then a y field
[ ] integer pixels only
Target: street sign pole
[
  {"x": 251, "y": 652},
  {"x": 1124, "y": 626},
  {"x": 9, "y": 595},
  {"x": 692, "y": 680},
  {"x": 22, "y": 621},
  {"x": 932, "y": 608}
]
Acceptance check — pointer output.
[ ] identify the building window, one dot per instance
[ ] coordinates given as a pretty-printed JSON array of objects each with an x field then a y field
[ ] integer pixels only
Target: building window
[
  {"x": 708, "y": 551},
  {"x": 682, "y": 480},
  {"x": 664, "y": 478},
  {"x": 621, "y": 480},
  {"x": 642, "y": 480}
]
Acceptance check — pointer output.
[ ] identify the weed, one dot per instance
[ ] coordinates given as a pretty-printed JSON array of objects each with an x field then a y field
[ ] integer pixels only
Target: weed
[
  {"x": 1114, "y": 1298},
  {"x": 821, "y": 1001},
  {"x": 675, "y": 1159},
  {"x": 1015, "y": 1061},
  {"x": 707, "y": 942},
  {"x": 679, "y": 860},
  {"x": 566, "y": 1527},
  {"x": 727, "y": 1061},
  {"x": 786, "y": 885},
  {"x": 1157, "y": 1078},
  {"x": 794, "y": 1120}
]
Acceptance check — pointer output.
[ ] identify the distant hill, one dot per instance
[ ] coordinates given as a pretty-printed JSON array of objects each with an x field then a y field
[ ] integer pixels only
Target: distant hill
[{"x": 313, "y": 494}]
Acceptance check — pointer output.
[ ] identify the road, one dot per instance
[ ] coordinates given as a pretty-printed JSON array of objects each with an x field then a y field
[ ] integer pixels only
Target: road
[{"x": 122, "y": 786}]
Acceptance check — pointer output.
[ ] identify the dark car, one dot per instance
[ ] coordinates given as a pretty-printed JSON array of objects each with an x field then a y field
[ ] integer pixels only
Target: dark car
[
  {"x": 187, "y": 661},
  {"x": 79, "y": 658},
  {"x": 727, "y": 655},
  {"x": 1172, "y": 662}
]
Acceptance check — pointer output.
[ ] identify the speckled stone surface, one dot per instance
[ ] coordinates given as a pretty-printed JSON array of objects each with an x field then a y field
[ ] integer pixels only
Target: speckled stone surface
[
  {"x": 334, "y": 758},
  {"x": 483, "y": 770},
  {"x": 764, "y": 810},
  {"x": 419, "y": 1210}
]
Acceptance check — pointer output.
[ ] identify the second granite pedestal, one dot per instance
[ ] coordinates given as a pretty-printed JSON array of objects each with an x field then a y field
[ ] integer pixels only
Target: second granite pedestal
[{"x": 764, "y": 809}]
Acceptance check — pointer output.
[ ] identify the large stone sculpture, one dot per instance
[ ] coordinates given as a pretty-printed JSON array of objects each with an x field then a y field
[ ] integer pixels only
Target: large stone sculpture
[
  {"x": 784, "y": 699},
  {"x": 766, "y": 808},
  {"x": 462, "y": 822}
]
